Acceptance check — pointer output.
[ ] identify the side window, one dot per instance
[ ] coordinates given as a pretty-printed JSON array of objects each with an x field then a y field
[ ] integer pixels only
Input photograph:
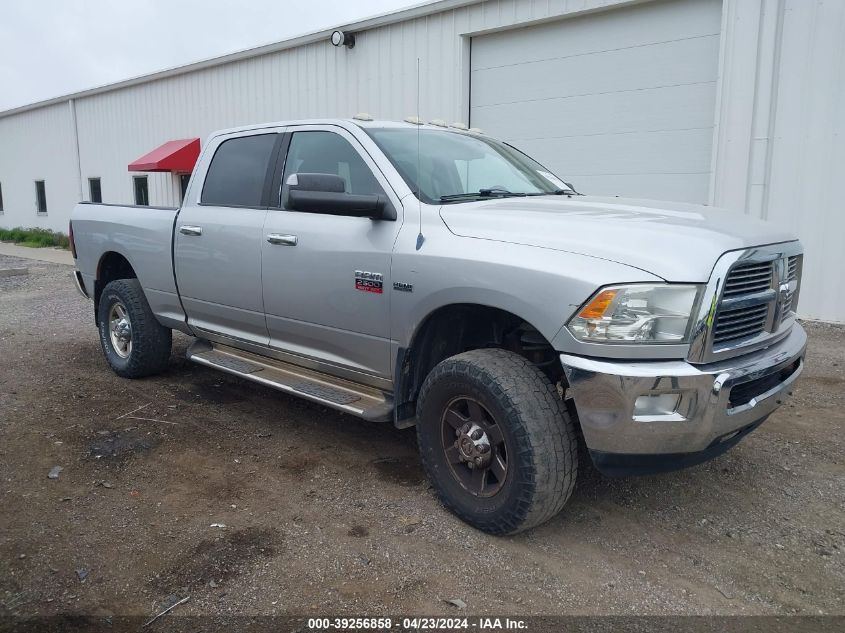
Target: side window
[
  {"x": 40, "y": 197},
  {"x": 329, "y": 153},
  {"x": 237, "y": 171},
  {"x": 95, "y": 190},
  {"x": 142, "y": 190}
]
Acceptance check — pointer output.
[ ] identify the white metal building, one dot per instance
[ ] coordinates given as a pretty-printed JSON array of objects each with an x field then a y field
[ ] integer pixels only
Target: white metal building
[{"x": 735, "y": 103}]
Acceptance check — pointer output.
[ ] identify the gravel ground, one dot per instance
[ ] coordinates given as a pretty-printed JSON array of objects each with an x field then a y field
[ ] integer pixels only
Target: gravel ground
[{"x": 324, "y": 513}]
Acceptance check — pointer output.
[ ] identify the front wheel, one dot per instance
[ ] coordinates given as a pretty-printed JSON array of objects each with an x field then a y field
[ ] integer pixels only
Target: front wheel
[
  {"x": 134, "y": 342},
  {"x": 496, "y": 440}
]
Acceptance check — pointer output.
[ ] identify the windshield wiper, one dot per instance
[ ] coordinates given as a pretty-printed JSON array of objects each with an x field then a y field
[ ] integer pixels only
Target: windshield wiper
[
  {"x": 491, "y": 192},
  {"x": 556, "y": 192}
]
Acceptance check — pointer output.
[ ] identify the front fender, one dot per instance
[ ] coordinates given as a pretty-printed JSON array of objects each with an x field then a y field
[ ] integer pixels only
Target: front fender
[{"x": 541, "y": 286}]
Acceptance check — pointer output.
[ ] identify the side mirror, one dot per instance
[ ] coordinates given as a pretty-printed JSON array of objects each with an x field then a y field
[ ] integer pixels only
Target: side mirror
[{"x": 326, "y": 193}]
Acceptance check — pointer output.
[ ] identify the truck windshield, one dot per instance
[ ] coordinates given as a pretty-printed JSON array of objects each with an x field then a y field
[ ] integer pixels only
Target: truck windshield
[{"x": 455, "y": 167}]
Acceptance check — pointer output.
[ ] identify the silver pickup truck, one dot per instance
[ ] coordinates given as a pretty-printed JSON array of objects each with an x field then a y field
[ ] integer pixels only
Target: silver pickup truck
[{"x": 433, "y": 276}]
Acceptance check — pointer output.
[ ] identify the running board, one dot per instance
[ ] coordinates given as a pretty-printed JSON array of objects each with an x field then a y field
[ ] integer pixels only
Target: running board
[{"x": 359, "y": 400}]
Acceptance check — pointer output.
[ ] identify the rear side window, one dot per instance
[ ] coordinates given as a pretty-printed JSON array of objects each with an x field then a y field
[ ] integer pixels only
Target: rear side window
[{"x": 237, "y": 171}]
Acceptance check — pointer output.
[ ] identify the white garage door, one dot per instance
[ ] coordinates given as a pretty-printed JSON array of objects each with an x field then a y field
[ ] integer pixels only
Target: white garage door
[{"x": 618, "y": 102}]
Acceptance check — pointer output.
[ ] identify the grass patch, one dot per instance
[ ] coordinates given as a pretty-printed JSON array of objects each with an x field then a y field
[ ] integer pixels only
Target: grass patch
[{"x": 35, "y": 238}]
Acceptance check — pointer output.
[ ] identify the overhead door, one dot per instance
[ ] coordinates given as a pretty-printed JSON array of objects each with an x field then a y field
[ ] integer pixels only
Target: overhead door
[{"x": 618, "y": 102}]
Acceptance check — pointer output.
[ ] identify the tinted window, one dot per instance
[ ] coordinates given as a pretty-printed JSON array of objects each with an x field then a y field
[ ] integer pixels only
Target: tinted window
[
  {"x": 40, "y": 197},
  {"x": 237, "y": 171},
  {"x": 329, "y": 153},
  {"x": 184, "y": 179},
  {"x": 1, "y": 198},
  {"x": 95, "y": 190},
  {"x": 142, "y": 191}
]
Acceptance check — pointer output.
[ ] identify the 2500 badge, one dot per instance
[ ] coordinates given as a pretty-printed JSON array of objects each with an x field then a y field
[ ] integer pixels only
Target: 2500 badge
[{"x": 369, "y": 282}]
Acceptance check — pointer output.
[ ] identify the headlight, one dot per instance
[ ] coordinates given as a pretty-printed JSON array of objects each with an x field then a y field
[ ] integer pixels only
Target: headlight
[{"x": 640, "y": 313}]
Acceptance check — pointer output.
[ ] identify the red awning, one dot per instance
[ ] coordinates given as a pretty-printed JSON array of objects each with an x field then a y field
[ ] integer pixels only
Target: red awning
[{"x": 172, "y": 156}]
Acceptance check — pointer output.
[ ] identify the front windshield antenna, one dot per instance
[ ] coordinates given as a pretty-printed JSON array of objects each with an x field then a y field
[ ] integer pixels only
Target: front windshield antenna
[{"x": 420, "y": 236}]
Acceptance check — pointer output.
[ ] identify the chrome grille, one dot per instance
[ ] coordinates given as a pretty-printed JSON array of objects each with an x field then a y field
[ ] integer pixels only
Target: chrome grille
[
  {"x": 749, "y": 302},
  {"x": 792, "y": 268},
  {"x": 787, "y": 304},
  {"x": 748, "y": 279},
  {"x": 740, "y": 323}
]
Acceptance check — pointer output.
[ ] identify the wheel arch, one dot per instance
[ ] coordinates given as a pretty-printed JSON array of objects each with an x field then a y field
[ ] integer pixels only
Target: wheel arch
[
  {"x": 454, "y": 328},
  {"x": 112, "y": 265}
]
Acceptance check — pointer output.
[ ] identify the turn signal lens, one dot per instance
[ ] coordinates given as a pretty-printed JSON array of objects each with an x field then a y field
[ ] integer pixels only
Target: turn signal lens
[{"x": 598, "y": 306}]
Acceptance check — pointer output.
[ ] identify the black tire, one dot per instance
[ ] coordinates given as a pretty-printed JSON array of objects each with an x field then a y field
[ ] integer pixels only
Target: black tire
[
  {"x": 148, "y": 349},
  {"x": 536, "y": 440}
]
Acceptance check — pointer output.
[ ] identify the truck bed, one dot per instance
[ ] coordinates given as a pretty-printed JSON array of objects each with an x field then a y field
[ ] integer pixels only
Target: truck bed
[{"x": 143, "y": 236}]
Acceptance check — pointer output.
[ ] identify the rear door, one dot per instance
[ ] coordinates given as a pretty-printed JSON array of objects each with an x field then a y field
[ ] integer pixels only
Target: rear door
[
  {"x": 326, "y": 277},
  {"x": 219, "y": 236}
]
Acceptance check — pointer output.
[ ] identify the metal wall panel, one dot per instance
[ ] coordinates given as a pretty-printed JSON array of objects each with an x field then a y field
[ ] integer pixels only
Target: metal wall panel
[
  {"x": 806, "y": 168},
  {"x": 778, "y": 152},
  {"x": 618, "y": 102},
  {"x": 38, "y": 145}
]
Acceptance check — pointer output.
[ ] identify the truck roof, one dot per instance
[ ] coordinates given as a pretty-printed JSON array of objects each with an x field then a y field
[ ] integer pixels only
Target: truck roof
[{"x": 360, "y": 122}]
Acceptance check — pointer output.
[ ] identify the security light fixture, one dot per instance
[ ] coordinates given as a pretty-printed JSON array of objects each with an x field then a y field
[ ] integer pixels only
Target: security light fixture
[{"x": 339, "y": 38}]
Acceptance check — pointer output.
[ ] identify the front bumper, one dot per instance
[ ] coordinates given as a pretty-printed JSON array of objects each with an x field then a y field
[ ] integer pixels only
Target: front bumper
[{"x": 716, "y": 404}]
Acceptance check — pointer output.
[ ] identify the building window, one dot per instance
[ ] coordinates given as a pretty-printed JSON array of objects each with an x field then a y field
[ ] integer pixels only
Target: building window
[
  {"x": 142, "y": 192},
  {"x": 95, "y": 190},
  {"x": 184, "y": 179},
  {"x": 40, "y": 197}
]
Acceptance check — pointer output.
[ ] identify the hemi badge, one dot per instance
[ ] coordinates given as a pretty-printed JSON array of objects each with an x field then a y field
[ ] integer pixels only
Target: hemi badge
[{"x": 402, "y": 286}]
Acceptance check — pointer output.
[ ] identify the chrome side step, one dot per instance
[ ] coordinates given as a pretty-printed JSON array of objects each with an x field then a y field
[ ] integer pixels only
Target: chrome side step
[{"x": 359, "y": 400}]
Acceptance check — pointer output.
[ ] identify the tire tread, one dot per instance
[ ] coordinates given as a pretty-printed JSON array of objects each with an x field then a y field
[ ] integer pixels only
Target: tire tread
[
  {"x": 151, "y": 341},
  {"x": 545, "y": 434}
]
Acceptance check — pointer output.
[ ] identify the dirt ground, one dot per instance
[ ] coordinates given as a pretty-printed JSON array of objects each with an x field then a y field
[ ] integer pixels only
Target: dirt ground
[{"x": 195, "y": 483}]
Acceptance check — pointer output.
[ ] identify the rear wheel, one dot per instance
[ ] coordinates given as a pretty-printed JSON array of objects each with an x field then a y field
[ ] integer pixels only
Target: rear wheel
[
  {"x": 134, "y": 342},
  {"x": 496, "y": 440}
]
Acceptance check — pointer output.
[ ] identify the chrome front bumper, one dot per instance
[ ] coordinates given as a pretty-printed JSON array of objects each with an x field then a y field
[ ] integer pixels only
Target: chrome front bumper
[{"x": 715, "y": 403}]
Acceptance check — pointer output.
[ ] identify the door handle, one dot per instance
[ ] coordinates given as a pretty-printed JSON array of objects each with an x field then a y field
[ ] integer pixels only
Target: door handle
[
  {"x": 284, "y": 240},
  {"x": 190, "y": 230}
]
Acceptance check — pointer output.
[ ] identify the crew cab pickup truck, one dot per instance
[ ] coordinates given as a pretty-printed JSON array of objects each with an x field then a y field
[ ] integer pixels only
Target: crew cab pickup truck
[{"x": 433, "y": 276}]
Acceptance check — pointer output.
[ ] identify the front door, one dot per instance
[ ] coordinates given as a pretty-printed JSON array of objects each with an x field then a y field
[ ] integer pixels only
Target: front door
[
  {"x": 326, "y": 277},
  {"x": 219, "y": 236}
]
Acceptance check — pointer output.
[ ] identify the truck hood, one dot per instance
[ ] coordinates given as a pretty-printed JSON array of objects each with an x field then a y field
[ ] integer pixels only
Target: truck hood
[{"x": 673, "y": 240}]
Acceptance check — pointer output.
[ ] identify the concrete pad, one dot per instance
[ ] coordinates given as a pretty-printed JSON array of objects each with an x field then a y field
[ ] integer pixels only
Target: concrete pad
[
  {"x": 53, "y": 255},
  {"x": 13, "y": 272}
]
